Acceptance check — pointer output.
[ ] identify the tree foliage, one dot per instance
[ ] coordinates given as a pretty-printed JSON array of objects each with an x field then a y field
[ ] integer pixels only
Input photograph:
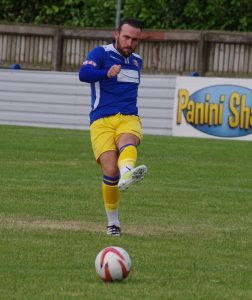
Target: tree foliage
[{"x": 234, "y": 15}]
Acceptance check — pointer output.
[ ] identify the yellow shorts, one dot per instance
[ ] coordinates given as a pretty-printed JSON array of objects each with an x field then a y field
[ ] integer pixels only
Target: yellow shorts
[{"x": 106, "y": 131}]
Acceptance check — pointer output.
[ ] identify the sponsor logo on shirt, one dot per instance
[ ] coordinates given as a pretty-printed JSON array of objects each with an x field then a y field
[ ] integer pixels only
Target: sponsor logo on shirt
[
  {"x": 131, "y": 76},
  {"x": 116, "y": 58}
]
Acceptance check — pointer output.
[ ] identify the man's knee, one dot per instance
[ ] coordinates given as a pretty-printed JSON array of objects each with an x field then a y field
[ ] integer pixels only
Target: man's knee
[
  {"x": 127, "y": 138},
  {"x": 110, "y": 170},
  {"x": 108, "y": 162}
]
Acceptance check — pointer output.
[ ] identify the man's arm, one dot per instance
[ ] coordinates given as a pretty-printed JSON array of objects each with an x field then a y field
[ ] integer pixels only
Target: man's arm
[
  {"x": 91, "y": 70},
  {"x": 89, "y": 73}
]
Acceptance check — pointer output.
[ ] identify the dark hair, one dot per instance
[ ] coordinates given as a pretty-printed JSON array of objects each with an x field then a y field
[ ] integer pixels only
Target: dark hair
[{"x": 132, "y": 22}]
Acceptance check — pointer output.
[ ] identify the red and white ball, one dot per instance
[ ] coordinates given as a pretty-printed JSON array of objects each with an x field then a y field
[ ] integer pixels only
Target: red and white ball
[{"x": 113, "y": 264}]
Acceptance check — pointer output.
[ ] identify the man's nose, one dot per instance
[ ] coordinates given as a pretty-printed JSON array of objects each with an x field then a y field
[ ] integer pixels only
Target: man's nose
[{"x": 129, "y": 42}]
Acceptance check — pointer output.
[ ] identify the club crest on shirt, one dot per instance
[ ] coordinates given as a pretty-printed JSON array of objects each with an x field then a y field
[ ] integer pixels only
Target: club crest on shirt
[{"x": 89, "y": 62}]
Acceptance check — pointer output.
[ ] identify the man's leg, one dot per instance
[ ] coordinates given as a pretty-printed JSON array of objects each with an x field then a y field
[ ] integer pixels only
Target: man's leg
[
  {"x": 127, "y": 144},
  {"x": 110, "y": 191}
]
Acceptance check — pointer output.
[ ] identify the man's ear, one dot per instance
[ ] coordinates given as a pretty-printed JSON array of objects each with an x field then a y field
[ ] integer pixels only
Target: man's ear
[{"x": 116, "y": 34}]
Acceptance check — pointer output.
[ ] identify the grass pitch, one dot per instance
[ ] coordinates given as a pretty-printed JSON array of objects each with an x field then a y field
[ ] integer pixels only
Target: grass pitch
[{"x": 187, "y": 226}]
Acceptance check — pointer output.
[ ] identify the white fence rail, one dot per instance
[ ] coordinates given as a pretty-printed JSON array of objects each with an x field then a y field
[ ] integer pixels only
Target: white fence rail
[{"x": 60, "y": 100}]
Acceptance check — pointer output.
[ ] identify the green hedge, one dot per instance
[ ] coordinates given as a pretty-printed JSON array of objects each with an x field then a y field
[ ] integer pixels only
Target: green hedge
[{"x": 234, "y": 15}]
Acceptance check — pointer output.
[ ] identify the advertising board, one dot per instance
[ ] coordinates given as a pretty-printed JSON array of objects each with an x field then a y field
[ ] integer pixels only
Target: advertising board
[{"x": 213, "y": 107}]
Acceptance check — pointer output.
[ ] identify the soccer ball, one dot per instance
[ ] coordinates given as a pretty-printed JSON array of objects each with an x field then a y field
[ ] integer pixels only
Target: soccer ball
[{"x": 112, "y": 264}]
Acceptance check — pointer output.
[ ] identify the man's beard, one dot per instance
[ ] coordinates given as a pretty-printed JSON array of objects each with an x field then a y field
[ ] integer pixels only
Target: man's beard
[{"x": 120, "y": 49}]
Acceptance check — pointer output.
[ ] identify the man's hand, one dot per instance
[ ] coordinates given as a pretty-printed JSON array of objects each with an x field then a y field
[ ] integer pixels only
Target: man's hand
[{"x": 114, "y": 70}]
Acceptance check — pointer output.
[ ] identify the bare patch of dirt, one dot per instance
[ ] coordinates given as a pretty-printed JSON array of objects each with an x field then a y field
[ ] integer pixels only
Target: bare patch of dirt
[
  {"x": 14, "y": 222},
  {"x": 30, "y": 223}
]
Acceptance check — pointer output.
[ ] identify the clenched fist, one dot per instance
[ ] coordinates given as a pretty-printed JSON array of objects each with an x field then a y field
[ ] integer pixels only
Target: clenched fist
[{"x": 114, "y": 70}]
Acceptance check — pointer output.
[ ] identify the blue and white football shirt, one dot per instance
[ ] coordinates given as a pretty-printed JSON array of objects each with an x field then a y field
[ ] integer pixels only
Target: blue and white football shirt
[{"x": 110, "y": 96}]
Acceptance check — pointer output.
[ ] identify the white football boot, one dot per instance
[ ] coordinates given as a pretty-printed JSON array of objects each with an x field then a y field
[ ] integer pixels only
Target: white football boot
[{"x": 131, "y": 177}]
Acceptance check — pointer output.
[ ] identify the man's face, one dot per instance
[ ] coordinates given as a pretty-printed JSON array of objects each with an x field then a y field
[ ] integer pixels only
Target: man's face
[{"x": 127, "y": 39}]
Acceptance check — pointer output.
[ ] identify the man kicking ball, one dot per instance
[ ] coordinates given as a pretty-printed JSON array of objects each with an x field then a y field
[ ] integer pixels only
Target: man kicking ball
[{"x": 113, "y": 72}]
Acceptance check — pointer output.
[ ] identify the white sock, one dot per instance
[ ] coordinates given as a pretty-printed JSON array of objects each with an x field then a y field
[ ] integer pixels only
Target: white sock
[
  {"x": 113, "y": 218},
  {"x": 125, "y": 169}
]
